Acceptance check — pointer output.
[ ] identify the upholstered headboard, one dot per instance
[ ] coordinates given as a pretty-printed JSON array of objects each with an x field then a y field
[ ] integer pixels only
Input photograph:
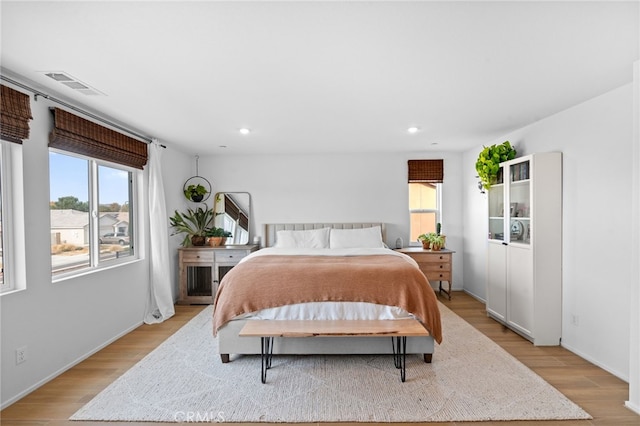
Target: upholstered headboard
[{"x": 270, "y": 229}]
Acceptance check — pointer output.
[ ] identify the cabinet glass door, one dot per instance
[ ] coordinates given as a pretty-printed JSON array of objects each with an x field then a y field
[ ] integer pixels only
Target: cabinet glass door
[
  {"x": 496, "y": 209},
  {"x": 519, "y": 203}
]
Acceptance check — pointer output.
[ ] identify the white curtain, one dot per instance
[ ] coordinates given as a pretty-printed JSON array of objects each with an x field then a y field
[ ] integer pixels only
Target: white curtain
[{"x": 160, "y": 303}]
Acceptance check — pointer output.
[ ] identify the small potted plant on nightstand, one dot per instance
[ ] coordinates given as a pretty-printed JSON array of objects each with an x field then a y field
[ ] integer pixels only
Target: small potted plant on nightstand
[
  {"x": 217, "y": 236},
  {"x": 438, "y": 232},
  {"x": 425, "y": 239},
  {"x": 436, "y": 242}
]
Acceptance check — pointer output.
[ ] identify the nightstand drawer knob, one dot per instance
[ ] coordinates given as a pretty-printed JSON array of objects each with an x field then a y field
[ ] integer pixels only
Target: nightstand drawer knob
[
  {"x": 441, "y": 257},
  {"x": 441, "y": 266}
]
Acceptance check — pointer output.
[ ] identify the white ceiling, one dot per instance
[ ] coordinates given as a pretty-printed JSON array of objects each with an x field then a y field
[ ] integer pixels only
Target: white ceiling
[{"x": 312, "y": 77}]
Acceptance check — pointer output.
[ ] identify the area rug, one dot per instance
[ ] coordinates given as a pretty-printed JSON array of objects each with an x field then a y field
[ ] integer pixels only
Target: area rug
[{"x": 471, "y": 379}]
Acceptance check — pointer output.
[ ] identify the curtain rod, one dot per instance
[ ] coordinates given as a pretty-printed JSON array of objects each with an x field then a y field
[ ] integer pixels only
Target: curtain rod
[{"x": 37, "y": 93}]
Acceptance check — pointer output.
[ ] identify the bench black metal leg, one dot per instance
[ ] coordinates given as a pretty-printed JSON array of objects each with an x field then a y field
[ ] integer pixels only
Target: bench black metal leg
[
  {"x": 400, "y": 355},
  {"x": 266, "y": 355}
]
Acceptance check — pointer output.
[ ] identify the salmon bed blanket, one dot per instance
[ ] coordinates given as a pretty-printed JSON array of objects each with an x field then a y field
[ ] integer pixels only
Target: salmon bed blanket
[{"x": 277, "y": 280}]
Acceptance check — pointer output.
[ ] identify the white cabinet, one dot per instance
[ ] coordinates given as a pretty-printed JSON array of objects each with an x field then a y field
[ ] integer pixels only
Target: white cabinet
[{"x": 524, "y": 280}]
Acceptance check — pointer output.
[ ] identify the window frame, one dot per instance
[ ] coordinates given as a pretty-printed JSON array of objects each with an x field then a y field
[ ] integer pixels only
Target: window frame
[
  {"x": 14, "y": 252},
  {"x": 95, "y": 263},
  {"x": 437, "y": 210}
]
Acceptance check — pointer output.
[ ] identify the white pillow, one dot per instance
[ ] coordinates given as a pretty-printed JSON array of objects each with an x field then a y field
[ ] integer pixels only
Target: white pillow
[
  {"x": 311, "y": 238},
  {"x": 356, "y": 238}
]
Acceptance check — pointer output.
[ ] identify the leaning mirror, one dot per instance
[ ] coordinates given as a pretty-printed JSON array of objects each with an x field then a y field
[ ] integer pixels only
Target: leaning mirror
[{"x": 231, "y": 213}]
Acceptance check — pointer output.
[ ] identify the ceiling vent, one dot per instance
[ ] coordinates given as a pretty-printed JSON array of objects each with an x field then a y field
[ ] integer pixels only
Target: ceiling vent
[{"x": 73, "y": 83}]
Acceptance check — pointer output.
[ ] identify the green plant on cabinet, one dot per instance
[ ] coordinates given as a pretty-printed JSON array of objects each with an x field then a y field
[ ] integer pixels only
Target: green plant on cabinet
[
  {"x": 489, "y": 159},
  {"x": 194, "y": 224}
]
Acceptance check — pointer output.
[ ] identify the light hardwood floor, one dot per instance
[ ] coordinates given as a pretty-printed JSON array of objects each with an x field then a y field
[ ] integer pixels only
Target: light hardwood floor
[{"x": 595, "y": 390}]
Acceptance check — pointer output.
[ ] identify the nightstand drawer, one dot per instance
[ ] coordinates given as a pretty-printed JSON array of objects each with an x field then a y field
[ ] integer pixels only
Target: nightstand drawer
[
  {"x": 230, "y": 256},
  {"x": 439, "y": 267},
  {"x": 431, "y": 257},
  {"x": 197, "y": 256},
  {"x": 438, "y": 276}
]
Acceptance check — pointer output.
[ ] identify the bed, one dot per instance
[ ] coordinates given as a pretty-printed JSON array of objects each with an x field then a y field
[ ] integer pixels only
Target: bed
[{"x": 324, "y": 271}]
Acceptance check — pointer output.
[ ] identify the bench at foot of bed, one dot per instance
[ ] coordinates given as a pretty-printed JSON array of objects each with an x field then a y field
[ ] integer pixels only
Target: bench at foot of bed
[{"x": 398, "y": 330}]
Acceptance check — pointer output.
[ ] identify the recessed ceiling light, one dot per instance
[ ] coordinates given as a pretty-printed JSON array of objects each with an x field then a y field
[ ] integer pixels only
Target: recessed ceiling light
[
  {"x": 245, "y": 131},
  {"x": 413, "y": 130}
]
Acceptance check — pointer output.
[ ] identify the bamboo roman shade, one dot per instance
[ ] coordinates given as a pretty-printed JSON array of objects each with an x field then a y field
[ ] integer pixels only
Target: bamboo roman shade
[
  {"x": 232, "y": 209},
  {"x": 15, "y": 114},
  {"x": 429, "y": 171},
  {"x": 75, "y": 134}
]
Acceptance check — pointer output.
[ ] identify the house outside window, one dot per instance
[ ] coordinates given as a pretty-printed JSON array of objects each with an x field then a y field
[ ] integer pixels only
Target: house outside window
[{"x": 91, "y": 210}]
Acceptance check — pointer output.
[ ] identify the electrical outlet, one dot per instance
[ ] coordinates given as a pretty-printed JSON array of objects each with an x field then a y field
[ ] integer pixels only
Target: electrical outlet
[
  {"x": 21, "y": 355},
  {"x": 575, "y": 320}
]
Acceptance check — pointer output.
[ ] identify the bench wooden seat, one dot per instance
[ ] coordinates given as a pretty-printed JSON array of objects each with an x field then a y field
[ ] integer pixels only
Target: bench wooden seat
[{"x": 398, "y": 330}]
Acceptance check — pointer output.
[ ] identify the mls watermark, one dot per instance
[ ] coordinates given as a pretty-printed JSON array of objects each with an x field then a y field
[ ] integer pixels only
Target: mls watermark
[{"x": 199, "y": 417}]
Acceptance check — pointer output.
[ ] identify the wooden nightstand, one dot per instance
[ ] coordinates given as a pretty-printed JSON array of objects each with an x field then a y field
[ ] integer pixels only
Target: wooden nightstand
[
  {"x": 436, "y": 265},
  {"x": 202, "y": 269}
]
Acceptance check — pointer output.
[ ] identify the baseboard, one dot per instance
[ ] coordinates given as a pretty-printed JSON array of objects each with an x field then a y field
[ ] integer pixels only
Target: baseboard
[
  {"x": 77, "y": 361},
  {"x": 633, "y": 407},
  {"x": 581, "y": 355},
  {"x": 596, "y": 363},
  {"x": 475, "y": 296}
]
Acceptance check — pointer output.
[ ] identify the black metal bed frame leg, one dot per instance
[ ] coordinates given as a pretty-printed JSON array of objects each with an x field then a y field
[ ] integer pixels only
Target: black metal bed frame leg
[
  {"x": 266, "y": 355},
  {"x": 399, "y": 344}
]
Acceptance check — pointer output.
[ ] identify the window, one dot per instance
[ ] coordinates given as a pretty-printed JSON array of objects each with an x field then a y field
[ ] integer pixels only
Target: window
[
  {"x": 91, "y": 213},
  {"x": 425, "y": 195},
  {"x": 92, "y": 170},
  {"x": 424, "y": 208},
  {"x": 15, "y": 113},
  {"x": 12, "y": 250},
  {"x": 2, "y": 224}
]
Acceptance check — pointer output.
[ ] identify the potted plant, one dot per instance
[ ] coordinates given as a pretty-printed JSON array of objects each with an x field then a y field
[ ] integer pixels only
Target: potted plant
[
  {"x": 195, "y": 192},
  {"x": 436, "y": 242},
  {"x": 217, "y": 236},
  {"x": 193, "y": 223},
  {"x": 425, "y": 239},
  {"x": 438, "y": 232},
  {"x": 489, "y": 159}
]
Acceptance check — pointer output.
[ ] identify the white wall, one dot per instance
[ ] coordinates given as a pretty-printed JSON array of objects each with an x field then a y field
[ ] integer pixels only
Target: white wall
[
  {"x": 338, "y": 188},
  {"x": 61, "y": 323},
  {"x": 595, "y": 138}
]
